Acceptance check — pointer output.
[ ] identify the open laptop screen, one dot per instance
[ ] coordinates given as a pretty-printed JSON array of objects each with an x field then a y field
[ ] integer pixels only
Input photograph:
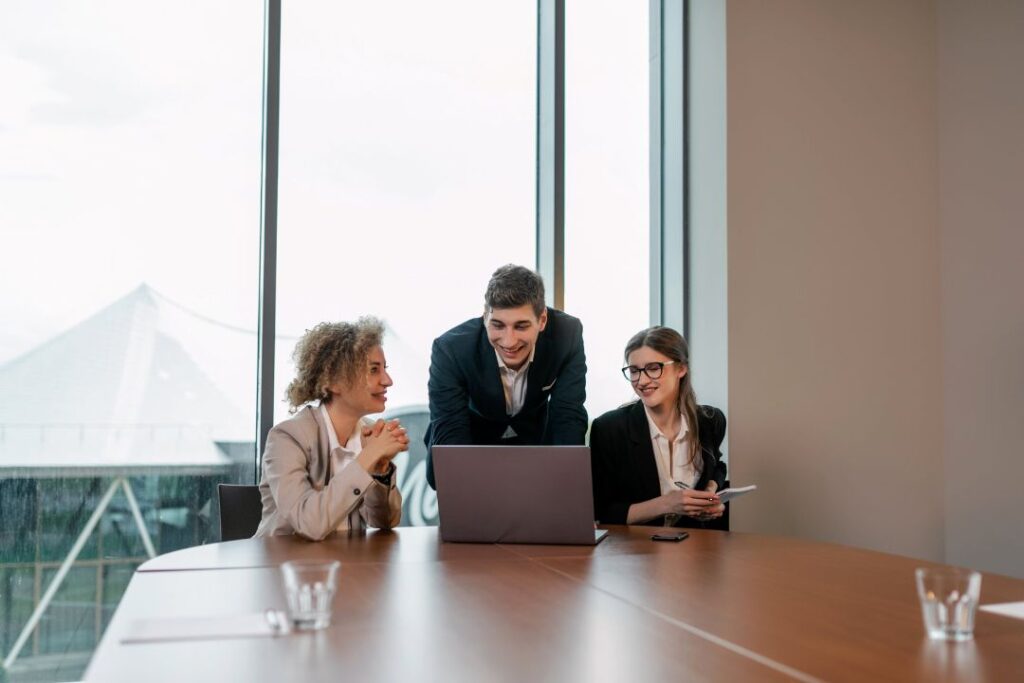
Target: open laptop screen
[{"x": 515, "y": 494}]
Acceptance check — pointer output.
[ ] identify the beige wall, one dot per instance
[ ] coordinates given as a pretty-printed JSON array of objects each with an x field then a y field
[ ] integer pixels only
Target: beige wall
[
  {"x": 876, "y": 274},
  {"x": 835, "y": 372},
  {"x": 981, "y": 172}
]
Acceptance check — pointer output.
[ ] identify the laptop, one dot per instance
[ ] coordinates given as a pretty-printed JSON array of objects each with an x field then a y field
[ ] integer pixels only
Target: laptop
[{"x": 515, "y": 494}]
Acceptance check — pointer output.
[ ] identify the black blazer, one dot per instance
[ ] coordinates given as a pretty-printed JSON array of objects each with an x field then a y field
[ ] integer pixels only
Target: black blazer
[
  {"x": 467, "y": 401},
  {"x": 623, "y": 467}
]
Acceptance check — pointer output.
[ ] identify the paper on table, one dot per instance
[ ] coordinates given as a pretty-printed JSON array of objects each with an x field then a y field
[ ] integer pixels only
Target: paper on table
[
  {"x": 1007, "y": 609},
  {"x": 731, "y": 493},
  {"x": 261, "y": 624}
]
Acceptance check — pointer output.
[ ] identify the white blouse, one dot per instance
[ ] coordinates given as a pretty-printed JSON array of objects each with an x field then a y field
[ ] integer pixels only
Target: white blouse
[
  {"x": 345, "y": 456},
  {"x": 673, "y": 459}
]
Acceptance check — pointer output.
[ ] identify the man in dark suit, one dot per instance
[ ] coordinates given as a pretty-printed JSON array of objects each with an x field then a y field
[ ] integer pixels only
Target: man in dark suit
[{"x": 516, "y": 376}]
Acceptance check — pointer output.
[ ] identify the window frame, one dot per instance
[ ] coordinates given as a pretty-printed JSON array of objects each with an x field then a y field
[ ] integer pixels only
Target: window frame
[{"x": 669, "y": 182}]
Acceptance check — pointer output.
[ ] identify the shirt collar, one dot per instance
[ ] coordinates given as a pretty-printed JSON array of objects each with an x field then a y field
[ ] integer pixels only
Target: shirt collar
[
  {"x": 355, "y": 442},
  {"x": 505, "y": 368},
  {"x": 684, "y": 427}
]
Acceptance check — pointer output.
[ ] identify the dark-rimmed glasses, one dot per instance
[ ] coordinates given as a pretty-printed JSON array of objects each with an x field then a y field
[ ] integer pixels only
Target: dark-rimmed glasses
[{"x": 652, "y": 370}]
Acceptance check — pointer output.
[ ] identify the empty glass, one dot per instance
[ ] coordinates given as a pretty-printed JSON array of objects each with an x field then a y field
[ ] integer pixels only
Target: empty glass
[
  {"x": 309, "y": 588},
  {"x": 949, "y": 598}
]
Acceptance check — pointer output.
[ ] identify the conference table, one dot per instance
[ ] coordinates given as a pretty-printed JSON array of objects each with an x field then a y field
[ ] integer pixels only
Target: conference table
[{"x": 720, "y": 606}]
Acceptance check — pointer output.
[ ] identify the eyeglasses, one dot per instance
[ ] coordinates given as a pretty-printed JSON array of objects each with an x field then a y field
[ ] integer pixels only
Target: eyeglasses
[{"x": 652, "y": 370}]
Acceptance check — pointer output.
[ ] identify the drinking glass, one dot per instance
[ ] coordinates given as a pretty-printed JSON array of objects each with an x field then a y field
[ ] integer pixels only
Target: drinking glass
[
  {"x": 309, "y": 588},
  {"x": 949, "y": 598}
]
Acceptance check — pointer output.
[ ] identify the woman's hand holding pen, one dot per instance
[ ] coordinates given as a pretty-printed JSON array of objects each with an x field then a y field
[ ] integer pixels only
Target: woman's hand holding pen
[{"x": 697, "y": 504}]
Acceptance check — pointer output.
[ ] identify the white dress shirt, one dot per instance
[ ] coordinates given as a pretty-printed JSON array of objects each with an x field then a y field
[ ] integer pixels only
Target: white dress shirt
[
  {"x": 673, "y": 459},
  {"x": 514, "y": 383}
]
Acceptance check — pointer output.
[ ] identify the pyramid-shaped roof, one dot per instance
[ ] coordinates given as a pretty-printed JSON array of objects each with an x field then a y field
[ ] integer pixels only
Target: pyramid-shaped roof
[
  {"x": 116, "y": 390},
  {"x": 147, "y": 383}
]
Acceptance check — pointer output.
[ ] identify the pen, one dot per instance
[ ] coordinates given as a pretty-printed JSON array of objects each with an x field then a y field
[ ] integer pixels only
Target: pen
[{"x": 685, "y": 486}]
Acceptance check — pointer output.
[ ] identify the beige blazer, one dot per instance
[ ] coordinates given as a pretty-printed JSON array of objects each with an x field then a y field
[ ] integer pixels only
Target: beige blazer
[{"x": 300, "y": 493}]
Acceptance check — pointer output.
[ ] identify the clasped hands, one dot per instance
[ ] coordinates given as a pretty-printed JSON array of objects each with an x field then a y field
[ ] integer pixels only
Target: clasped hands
[{"x": 382, "y": 441}]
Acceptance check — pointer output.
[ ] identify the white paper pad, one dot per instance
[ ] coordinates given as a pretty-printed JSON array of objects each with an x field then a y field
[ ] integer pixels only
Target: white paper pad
[
  {"x": 1007, "y": 609},
  {"x": 206, "y": 628},
  {"x": 729, "y": 494}
]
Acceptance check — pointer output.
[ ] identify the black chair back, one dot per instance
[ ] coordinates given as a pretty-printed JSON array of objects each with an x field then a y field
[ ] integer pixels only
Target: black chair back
[{"x": 240, "y": 511}]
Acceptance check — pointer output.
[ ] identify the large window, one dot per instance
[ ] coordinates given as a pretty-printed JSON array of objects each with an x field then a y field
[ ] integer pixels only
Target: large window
[
  {"x": 129, "y": 214},
  {"x": 407, "y": 177},
  {"x": 607, "y": 190},
  {"x": 409, "y": 169}
]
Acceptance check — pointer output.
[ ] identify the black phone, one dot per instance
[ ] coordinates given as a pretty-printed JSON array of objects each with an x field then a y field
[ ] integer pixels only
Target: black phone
[{"x": 675, "y": 537}]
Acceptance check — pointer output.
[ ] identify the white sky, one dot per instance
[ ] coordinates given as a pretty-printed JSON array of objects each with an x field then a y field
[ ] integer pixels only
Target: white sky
[{"x": 130, "y": 152}]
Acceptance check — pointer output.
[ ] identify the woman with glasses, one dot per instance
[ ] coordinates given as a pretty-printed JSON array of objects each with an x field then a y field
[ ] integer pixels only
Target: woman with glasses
[
  {"x": 657, "y": 460},
  {"x": 329, "y": 468}
]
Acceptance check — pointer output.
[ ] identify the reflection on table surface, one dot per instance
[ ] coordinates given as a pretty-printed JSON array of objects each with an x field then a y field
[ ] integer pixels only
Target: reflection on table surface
[{"x": 718, "y": 605}]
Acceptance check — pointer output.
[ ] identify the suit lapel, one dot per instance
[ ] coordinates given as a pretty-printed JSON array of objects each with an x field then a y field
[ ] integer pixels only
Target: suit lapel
[
  {"x": 642, "y": 451},
  {"x": 319, "y": 463},
  {"x": 539, "y": 374},
  {"x": 706, "y": 435},
  {"x": 491, "y": 393}
]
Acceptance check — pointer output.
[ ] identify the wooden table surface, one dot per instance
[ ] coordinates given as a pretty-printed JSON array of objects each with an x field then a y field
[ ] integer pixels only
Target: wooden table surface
[{"x": 718, "y": 606}]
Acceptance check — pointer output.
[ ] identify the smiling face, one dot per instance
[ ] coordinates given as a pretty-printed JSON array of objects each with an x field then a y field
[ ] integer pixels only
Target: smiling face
[
  {"x": 663, "y": 391},
  {"x": 367, "y": 395},
  {"x": 513, "y": 332}
]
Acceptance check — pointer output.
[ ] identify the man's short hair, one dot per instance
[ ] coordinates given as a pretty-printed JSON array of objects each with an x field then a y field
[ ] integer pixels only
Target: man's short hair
[{"x": 513, "y": 286}]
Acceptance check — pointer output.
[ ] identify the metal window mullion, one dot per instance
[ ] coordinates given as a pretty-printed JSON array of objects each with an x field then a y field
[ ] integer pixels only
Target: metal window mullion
[
  {"x": 550, "y": 178},
  {"x": 267, "y": 321},
  {"x": 683, "y": 121},
  {"x": 656, "y": 163},
  {"x": 669, "y": 165}
]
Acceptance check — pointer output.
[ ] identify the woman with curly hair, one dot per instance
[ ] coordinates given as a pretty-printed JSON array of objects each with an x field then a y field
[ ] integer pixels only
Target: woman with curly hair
[
  {"x": 328, "y": 468},
  {"x": 658, "y": 460}
]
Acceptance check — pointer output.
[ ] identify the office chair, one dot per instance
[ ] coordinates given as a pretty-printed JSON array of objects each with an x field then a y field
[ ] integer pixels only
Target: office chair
[
  {"x": 240, "y": 511},
  {"x": 420, "y": 505}
]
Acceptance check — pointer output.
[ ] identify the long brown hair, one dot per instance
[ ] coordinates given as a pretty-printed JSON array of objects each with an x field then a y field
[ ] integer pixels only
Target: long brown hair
[{"x": 671, "y": 344}]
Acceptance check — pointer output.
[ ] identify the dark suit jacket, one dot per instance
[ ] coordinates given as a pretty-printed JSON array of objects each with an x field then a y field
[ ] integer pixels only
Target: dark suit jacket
[
  {"x": 623, "y": 467},
  {"x": 467, "y": 401}
]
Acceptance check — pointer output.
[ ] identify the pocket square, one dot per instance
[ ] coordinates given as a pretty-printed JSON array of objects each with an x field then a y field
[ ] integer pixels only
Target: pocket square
[{"x": 548, "y": 387}]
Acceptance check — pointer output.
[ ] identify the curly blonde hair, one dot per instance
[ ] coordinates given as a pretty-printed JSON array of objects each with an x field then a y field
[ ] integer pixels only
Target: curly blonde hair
[{"x": 331, "y": 352}]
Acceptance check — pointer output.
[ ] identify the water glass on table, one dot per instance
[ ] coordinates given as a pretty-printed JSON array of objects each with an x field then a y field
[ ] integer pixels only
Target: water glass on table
[
  {"x": 949, "y": 599},
  {"x": 309, "y": 588}
]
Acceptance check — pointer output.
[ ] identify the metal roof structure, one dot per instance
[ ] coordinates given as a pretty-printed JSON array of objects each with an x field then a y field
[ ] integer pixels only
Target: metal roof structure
[
  {"x": 116, "y": 390},
  {"x": 146, "y": 383}
]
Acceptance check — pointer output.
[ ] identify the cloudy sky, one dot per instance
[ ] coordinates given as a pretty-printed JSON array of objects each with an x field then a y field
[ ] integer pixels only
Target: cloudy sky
[{"x": 130, "y": 153}]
